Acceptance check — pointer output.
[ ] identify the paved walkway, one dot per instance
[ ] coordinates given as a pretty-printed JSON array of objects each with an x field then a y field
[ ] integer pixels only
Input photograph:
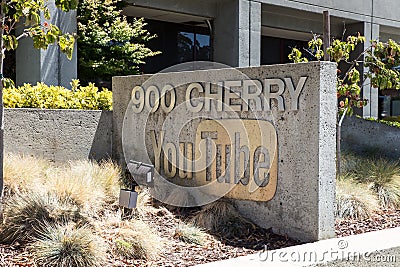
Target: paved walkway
[{"x": 379, "y": 248}]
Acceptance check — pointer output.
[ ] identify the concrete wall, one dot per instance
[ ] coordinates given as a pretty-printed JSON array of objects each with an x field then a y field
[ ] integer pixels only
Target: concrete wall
[
  {"x": 59, "y": 135},
  {"x": 364, "y": 136},
  {"x": 49, "y": 66},
  {"x": 303, "y": 203},
  {"x": 237, "y": 33}
]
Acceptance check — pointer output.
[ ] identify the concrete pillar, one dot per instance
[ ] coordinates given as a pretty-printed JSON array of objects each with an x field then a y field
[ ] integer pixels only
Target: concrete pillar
[
  {"x": 237, "y": 33},
  {"x": 370, "y": 33},
  {"x": 49, "y": 66},
  {"x": 372, "y": 94}
]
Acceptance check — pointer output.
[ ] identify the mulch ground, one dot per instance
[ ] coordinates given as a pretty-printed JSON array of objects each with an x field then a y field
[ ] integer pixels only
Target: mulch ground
[
  {"x": 383, "y": 219},
  {"x": 179, "y": 254}
]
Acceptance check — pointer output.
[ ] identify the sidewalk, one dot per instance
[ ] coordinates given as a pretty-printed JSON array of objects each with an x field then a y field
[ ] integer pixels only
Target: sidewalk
[{"x": 379, "y": 248}]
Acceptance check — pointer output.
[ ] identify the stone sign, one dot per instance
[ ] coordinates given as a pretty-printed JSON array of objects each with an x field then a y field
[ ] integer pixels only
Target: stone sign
[{"x": 263, "y": 137}]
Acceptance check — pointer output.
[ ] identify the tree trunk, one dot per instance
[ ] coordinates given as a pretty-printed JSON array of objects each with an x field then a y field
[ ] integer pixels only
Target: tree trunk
[{"x": 1, "y": 111}]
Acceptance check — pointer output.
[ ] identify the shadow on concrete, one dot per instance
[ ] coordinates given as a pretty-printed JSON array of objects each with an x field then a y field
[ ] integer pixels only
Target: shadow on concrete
[{"x": 102, "y": 142}]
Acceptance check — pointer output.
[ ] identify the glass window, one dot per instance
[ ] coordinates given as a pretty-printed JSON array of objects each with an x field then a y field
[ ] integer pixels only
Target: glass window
[
  {"x": 186, "y": 41},
  {"x": 203, "y": 47},
  {"x": 276, "y": 50},
  {"x": 178, "y": 43}
]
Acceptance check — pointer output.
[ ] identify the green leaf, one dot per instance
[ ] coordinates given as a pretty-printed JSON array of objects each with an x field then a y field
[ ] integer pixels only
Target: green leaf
[
  {"x": 47, "y": 13},
  {"x": 10, "y": 42}
]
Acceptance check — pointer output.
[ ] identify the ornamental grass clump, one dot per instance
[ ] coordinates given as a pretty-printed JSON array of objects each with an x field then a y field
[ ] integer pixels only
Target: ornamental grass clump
[
  {"x": 26, "y": 215},
  {"x": 189, "y": 233},
  {"x": 66, "y": 246},
  {"x": 353, "y": 199},
  {"x": 89, "y": 185},
  {"x": 222, "y": 218},
  {"x": 136, "y": 240},
  {"x": 23, "y": 173},
  {"x": 383, "y": 177}
]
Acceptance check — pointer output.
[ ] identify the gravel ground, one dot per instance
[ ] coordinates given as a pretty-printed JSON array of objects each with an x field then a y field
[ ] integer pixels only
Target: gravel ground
[
  {"x": 383, "y": 219},
  {"x": 179, "y": 254}
]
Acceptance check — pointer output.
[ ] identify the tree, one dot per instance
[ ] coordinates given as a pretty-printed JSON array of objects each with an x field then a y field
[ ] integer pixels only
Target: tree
[
  {"x": 381, "y": 59},
  {"x": 108, "y": 45},
  {"x": 348, "y": 81},
  {"x": 34, "y": 16}
]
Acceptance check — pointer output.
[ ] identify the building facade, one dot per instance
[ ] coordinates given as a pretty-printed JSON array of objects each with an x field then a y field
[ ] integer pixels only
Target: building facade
[
  {"x": 243, "y": 33},
  {"x": 240, "y": 33}
]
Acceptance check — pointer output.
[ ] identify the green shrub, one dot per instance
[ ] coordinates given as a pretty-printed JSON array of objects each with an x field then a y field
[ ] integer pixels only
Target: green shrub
[
  {"x": 66, "y": 245},
  {"x": 109, "y": 45},
  {"x": 391, "y": 121},
  {"x": 57, "y": 97}
]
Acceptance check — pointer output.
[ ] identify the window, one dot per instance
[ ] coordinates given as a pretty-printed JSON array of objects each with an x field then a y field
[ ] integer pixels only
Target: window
[
  {"x": 276, "y": 50},
  {"x": 178, "y": 43}
]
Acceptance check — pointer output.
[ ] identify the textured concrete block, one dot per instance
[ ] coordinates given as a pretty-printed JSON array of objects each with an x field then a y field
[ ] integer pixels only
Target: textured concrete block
[
  {"x": 59, "y": 135},
  {"x": 361, "y": 136},
  {"x": 298, "y": 100}
]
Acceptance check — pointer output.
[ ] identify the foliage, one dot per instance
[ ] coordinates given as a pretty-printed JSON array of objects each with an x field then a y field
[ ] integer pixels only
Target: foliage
[
  {"x": 64, "y": 246},
  {"x": 57, "y": 97},
  {"x": 108, "y": 44},
  {"x": 348, "y": 87},
  {"x": 383, "y": 62},
  {"x": 394, "y": 122},
  {"x": 189, "y": 233},
  {"x": 43, "y": 33}
]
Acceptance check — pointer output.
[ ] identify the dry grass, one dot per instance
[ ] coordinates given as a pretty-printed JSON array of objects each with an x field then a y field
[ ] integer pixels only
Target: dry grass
[
  {"x": 76, "y": 182},
  {"x": 379, "y": 171},
  {"x": 136, "y": 240},
  {"x": 108, "y": 174},
  {"x": 354, "y": 200},
  {"x": 222, "y": 218},
  {"x": 382, "y": 175},
  {"x": 88, "y": 184},
  {"x": 70, "y": 196},
  {"x": 27, "y": 214},
  {"x": 348, "y": 162},
  {"x": 66, "y": 245},
  {"x": 388, "y": 193},
  {"x": 22, "y": 173},
  {"x": 144, "y": 205},
  {"x": 189, "y": 233}
]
